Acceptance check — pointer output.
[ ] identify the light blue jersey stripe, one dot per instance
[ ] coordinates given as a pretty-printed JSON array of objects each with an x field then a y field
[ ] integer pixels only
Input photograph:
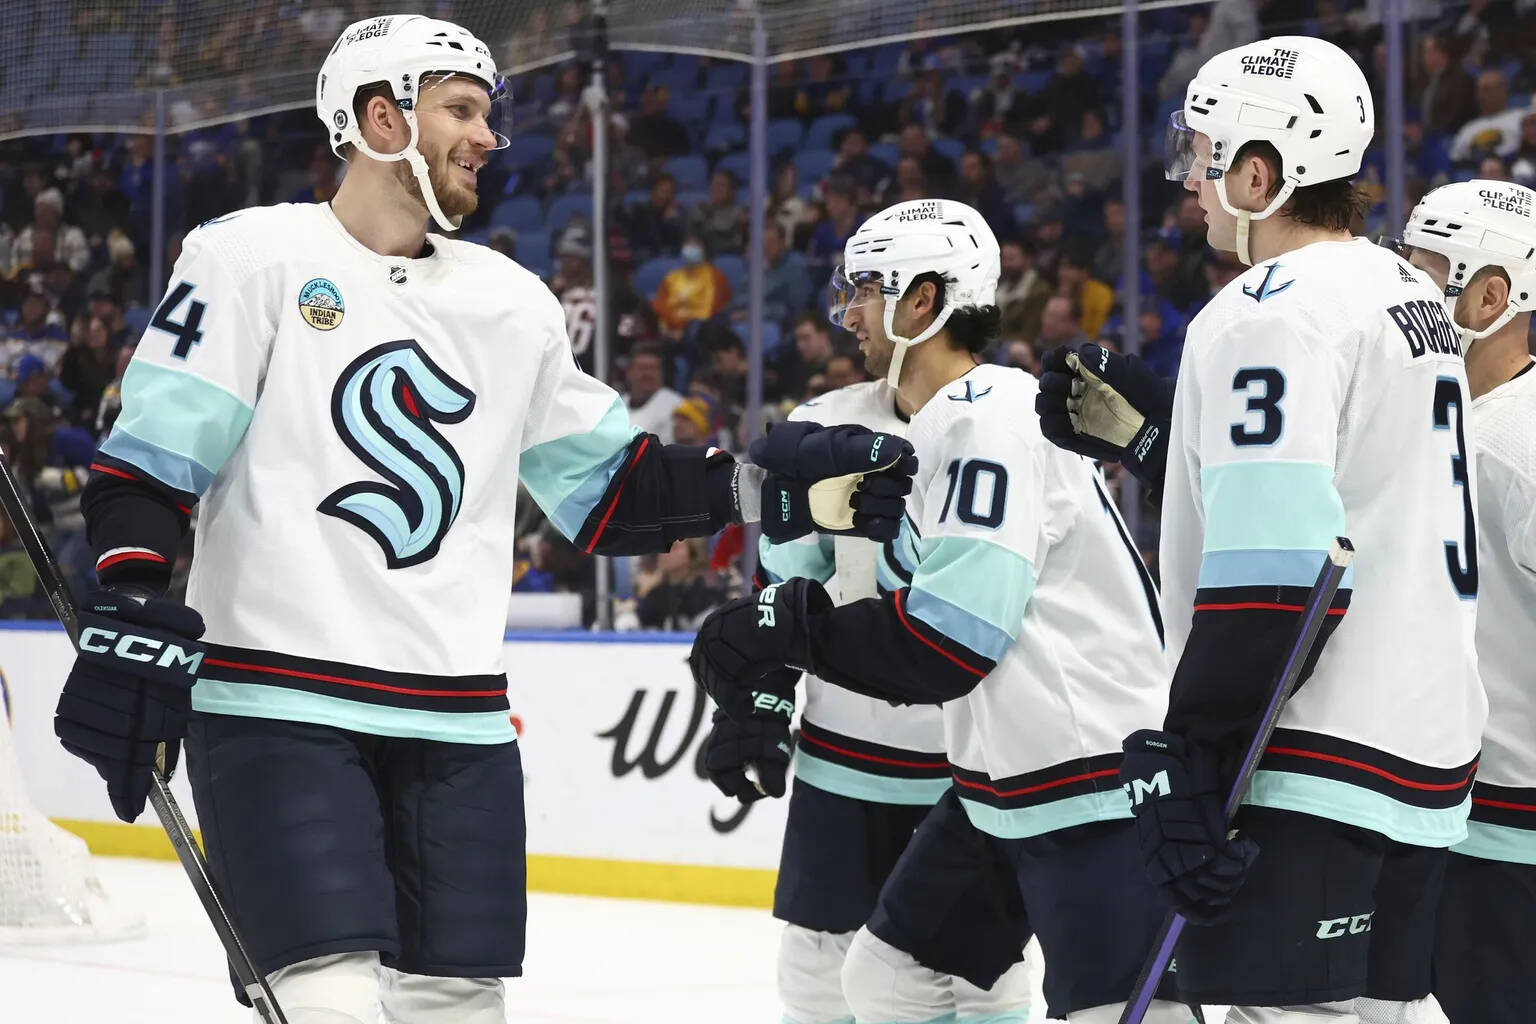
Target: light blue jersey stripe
[
  {"x": 567, "y": 476},
  {"x": 857, "y": 785},
  {"x": 1271, "y": 505},
  {"x": 1340, "y": 801},
  {"x": 254, "y": 700},
  {"x": 809, "y": 556},
  {"x": 972, "y": 591},
  {"x": 1023, "y": 822},
  {"x": 178, "y": 428},
  {"x": 1498, "y": 842},
  {"x": 1249, "y": 568}
]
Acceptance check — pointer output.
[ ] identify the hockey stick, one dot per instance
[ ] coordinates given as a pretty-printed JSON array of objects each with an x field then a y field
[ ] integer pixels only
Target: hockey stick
[
  {"x": 1313, "y": 613},
  {"x": 166, "y": 808}
]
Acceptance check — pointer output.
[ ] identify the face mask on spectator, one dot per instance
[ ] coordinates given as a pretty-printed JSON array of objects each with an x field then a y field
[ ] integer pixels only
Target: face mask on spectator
[{"x": 693, "y": 254}]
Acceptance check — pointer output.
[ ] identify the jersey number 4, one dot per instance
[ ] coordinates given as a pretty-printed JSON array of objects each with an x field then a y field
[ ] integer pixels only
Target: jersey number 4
[{"x": 188, "y": 332}]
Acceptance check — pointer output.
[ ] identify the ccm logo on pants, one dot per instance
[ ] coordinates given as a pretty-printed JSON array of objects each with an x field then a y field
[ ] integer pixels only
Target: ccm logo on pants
[{"x": 1336, "y": 926}]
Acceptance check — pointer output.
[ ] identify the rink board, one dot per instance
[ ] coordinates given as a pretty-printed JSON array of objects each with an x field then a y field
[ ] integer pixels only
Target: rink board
[{"x": 611, "y": 729}]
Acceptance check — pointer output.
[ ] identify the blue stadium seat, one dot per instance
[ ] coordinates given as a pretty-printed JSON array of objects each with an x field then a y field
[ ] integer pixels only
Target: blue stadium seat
[
  {"x": 952, "y": 148},
  {"x": 735, "y": 270},
  {"x": 773, "y": 337},
  {"x": 638, "y": 64},
  {"x": 543, "y": 88},
  {"x": 136, "y": 318},
  {"x": 567, "y": 206},
  {"x": 967, "y": 84},
  {"x": 723, "y": 136},
  {"x": 648, "y": 275},
  {"x": 521, "y": 213},
  {"x": 813, "y": 164},
  {"x": 895, "y": 90},
  {"x": 1031, "y": 83},
  {"x": 691, "y": 197},
  {"x": 739, "y": 164},
  {"x": 728, "y": 76},
  {"x": 637, "y": 197},
  {"x": 783, "y": 133},
  {"x": 690, "y": 171},
  {"x": 820, "y": 134},
  {"x": 529, "y": 149},
  {"x": 676, "y": 80},
  {"x": 534, "y": 245},
  {"x": 886, "y": 152},
  {"x": 692, "y": 109}
]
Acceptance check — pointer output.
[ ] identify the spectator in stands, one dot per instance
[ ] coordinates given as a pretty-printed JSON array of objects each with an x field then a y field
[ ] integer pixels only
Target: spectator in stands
[
  {"x": 981, "y": 192},
  {"x": 1220, "y": 270},
  {"x": 720, "y": 219},
  {"x": 1444, "y": 90},
  {"x": 504, "y": 240},
  {"x": 1092, "y": 299},
  {"x": 109, "y": 308},
  {"x": 842, "y": 220},
  {"x": 651, "y": 403},
  {"x": 842, "y": 371},
  {"x": 324, "y": 177},
  {"x": 994, "y": 101},
  {"x": 1021, "y": 290},
  {"x": 122, "y": 276},
  {"x": 1493, "y": 168},
  {"x": 933, "y": 106},
  {"x": 785, "y": 205},
  {"x": 1109, "y": 258},
  {"x": 37, "y": 331},
  {"x": 655, "y": 228},
  {"x": 86, "y": 367},
  {"x": 573, "y": 286},
  {"x": 1055, "y": 115},
  {"x": 907, "y": 184},
  {"x": 99, "y": 207},
  {"x": 34, "y": 381},
  {"x": 1230, "y": 23},
  {"x": 825, "y": 91},
  {"x": 854, "y": 161},
  {"x": 1522, "y": 166},
  {"x": 1497, "y": 128},
  {"x": 805, "y": 358},
  {"x": 567, "y": 101},
  {"x": 679, "y": 590},
  {"x": 654, "y": 131},
  {"x": 937, "y": 168},
  {"x": 697, "y": 290},
  {"x": 1022, "y": 179},
  {"x": 1060, "y": 324},
  {"x": 69, "y": 245},
  {"x": 691, "y": 422},
  {"x": 1047, "y": 235},
  {"x": 786, "y": 278},
  {"x": 567, "y": 166},
  {"x": 65, "y": 291}
]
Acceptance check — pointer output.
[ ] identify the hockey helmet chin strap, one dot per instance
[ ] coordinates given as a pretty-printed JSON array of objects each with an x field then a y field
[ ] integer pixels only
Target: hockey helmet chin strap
[
  {"x": 899, "y": 355},
  {"x": 1246, "y": 217},
  {"x": 418, "y": 164}
]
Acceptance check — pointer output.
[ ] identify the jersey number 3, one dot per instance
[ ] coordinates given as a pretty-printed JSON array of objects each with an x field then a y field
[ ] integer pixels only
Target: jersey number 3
[
  {"x": 1265, "y": 402},
  {"x": 1463, "y": 576}
]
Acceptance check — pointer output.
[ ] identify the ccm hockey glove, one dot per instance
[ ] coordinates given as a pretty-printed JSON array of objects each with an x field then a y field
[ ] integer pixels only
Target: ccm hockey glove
[
  {"x": 843, "y": 479},
  {"x": 763, "y": 744},
  {"x": 1176, "y": 796},
  {"x": 129, "y": 691},
  {"x": 741, "y": 649},
  {"x": 1107, "y": 407}
]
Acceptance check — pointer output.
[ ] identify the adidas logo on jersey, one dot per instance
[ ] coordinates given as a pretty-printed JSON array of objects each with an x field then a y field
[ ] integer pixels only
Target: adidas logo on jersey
[{"x": 1406, "y": 275}]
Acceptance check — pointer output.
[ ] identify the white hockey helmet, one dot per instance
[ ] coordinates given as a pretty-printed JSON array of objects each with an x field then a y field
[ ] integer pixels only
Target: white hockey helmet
[
  {"x": 1477, "y": 224},
  {"x": 407, "y": 52},
  {"x": 1304, "y": 96},
  {"x": 897, "y": 244}
]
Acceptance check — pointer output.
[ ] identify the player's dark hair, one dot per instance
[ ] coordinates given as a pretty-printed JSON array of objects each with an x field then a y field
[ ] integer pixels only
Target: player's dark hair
[
  {"x": 972, "y": 328},
  {"x": 1337, "y": 205}
]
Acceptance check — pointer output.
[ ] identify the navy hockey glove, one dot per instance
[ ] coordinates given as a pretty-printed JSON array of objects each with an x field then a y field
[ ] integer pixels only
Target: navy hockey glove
[
  {"x": 761, "y": 743},
  {"x": 1176, "y": 795},
  {"x": 129, "y": 691},
  {"x": 1108, "y": 407},
  {"x": 843, "y": 479},
  {"x": 741, "y": 649}
]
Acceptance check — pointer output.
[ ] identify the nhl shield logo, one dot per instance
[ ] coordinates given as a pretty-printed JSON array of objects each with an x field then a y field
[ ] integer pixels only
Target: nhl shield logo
[
  {"x": 320, "y": 304},
  {"x": 397, "y": 274}
]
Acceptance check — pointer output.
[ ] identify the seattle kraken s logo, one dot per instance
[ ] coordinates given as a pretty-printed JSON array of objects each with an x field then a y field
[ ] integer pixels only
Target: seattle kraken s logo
[{"x": 384, "y": 407}]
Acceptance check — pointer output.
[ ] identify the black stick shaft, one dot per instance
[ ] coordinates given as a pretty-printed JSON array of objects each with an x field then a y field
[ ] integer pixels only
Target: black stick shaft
[{"x": 166, "y": 808}]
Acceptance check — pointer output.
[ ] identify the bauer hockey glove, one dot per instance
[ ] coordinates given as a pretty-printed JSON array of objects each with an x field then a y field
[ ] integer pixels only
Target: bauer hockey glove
[
  {"x": 760, "y": 743},
  {"x": 1108, "y": 407},
  {"x": 1177, "y": 798},
  {"x": 129, "y": 691},
  {"x": 843, "y": 479},
  {"x": 741, "y": 649}
]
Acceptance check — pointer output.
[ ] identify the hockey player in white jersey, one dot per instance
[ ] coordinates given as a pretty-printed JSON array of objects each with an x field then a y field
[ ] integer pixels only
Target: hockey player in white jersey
[
  {"x": 1321, "y": 393},
  {"x": 1024, "y": 609},
  {"x": 352, "y": 403},
  {"x": 866, "y": 771},
  {"x": 1477, "y": 241}
]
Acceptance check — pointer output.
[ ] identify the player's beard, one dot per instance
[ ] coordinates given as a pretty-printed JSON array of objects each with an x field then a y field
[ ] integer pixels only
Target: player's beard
[
  {"x": 877, "y": 356},
  {"x": 454, "y": 199}
]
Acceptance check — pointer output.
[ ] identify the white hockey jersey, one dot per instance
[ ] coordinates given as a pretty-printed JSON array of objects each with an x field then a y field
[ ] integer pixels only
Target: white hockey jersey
[
  {"x": 1019, "y": 555},
  {"x": 856, "y": 746},
  {"x": 1503, "y": 820},
  {"x": 1321, "y": 394},
  {"x": 355, "y": 426}
]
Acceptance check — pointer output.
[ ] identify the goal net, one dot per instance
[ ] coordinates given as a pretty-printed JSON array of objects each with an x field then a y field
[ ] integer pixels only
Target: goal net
[{"x": 49, "y": 892}]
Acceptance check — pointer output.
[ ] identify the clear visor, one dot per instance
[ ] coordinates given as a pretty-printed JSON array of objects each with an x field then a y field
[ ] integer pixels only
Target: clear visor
[
  {"x": 1186, "y": 152},
  {"x": 467, "y": 100},
  {"x": 853, "y": 291}
]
